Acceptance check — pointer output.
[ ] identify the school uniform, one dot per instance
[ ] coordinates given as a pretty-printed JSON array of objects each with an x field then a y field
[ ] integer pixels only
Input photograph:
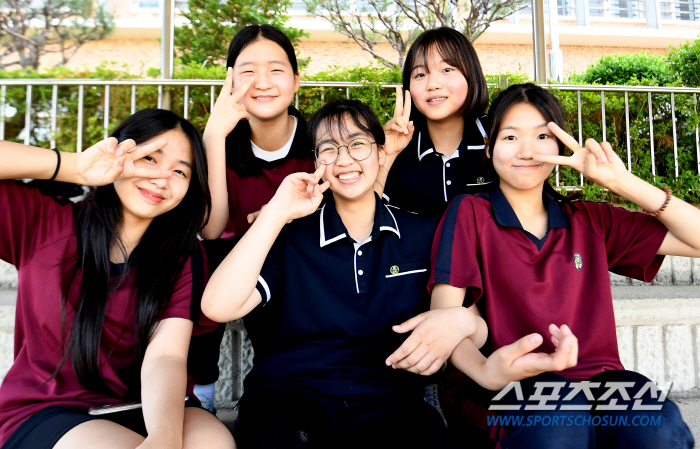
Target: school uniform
[
  {"x": 247, "y": 194},
  {"x": 424, "y": 181},
  {"x": 323, "y": 331},
  {"x": 521, "y": 284},
  {"x": 39, "y": 238}
]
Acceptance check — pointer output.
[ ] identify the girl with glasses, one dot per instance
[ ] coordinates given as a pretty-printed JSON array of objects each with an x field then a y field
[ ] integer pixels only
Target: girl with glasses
[{"x": 319, "y": 289}]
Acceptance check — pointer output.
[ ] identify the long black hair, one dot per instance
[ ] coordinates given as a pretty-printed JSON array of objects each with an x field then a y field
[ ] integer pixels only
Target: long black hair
[
  {"x": 543, "y": 101},
  {"x": 457, "y": 51},
  {"x": 156, "y": 262},
  {"x": 239, "y": 152}
]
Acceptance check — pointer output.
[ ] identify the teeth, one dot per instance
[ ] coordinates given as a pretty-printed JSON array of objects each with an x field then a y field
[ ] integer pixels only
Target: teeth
[
  {"x": 437, "y": 99},
  {"x": 352, "y": 175}
]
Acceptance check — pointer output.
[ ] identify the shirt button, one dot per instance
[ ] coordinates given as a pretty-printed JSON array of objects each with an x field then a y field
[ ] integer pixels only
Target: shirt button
[
  {"x": 359, "y": 253},
  {"x": 360, "y": 272},
  {"x": 447, "y": 165},
  {"x": 449, "y": 183}
]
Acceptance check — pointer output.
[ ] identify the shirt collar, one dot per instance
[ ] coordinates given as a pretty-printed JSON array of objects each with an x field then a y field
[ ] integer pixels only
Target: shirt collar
[
  {"x": 332, "y": 228},
  {"x": 505, "y": 216},
  {"x": 471, "y": 129}
]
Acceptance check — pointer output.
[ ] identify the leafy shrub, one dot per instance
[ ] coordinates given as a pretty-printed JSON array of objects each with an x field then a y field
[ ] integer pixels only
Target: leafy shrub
[
  {"x": 626, "y": 69},
  {"x": 685, "y": 62}
]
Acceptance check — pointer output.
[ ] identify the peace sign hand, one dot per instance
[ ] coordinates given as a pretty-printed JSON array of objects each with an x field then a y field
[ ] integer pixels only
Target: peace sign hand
[
  {"x": 108, "y": 161},
  {"x": 596, "y": 161},
  {"x": 299, "y": 194},
  {"x": 228, "y": 111},
  {"x": 399, "y": 130}
]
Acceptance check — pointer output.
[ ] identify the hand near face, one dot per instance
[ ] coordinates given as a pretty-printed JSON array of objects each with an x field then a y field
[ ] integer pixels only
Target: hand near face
[
  {"x": 299, "y": 195},
  {"x": 516, "y": 361},
  {"x": 108, "y": 161},
  {"x": 596, "y": 161},
  {"x": 399, "y": 130},
  {"x": 228, "y": 110}
]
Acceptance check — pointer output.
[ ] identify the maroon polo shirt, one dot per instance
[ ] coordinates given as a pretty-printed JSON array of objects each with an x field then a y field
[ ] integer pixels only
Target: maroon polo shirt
[
  {"x": 248, "y": 194},
  {"x": 38, "y": 236},
  {"x": 522, "y": 284}
]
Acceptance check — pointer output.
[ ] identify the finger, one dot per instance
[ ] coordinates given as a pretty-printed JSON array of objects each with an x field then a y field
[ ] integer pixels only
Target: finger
[
  {"x": 114, "y": 171},
  {"x": 521, "y": 347},
  {"x": 551, "y": 159},
  {"x": 319, "y": 172},
  {"x": 238, "y": 94},
  {"x": 252, "y": 217},
  {"x": 409, "y": 324},
  {"x": 110, "y": 145},
  {"x": 124, "y": 147},
  {"x": 564, "y": 137},
  {"x": 418, "y": 364},
  {"x": 144, "y": 150},
  {"x": 407, "y": 106},
  {"x": 412, "y": 359},
  {"x": 594, "y": 147},
  {"x": 407, "y": 347},
  {"x": 433, "y": 368},
  {"x": 149, "y": 173},
  {"x": 608, "y": 150},
  {"x": 398, "y": 109},
  {"x": 402, "y": 124},
  {"x": 555, "y": 331},
  {"x": 323, "y": 187},
  {"x": 424, "y": 364},
  {"x": 228, "y": 84}
]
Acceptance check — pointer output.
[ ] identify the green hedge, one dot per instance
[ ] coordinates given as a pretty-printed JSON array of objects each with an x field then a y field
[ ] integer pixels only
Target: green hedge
[{"x": 641, "y": 70}]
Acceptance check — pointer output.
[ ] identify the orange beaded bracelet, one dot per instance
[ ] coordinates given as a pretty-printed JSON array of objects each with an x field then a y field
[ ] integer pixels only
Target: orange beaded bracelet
[{"x": 663, "y": 208}]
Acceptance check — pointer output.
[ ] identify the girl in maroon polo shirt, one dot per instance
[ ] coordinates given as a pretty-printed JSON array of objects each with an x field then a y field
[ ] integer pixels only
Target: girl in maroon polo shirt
[
  {"x": 254, "y": 139},
  {"x": 527, "y": 260},
  {"x": 105, "y": 290}
]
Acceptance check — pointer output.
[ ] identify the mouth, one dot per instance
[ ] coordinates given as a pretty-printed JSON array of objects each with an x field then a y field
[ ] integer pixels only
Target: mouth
[
  {"x": 150, "y": 195},
  {"x": 349, "y": 177},
  {"x": 264, "y": 98},
  {"x": 436, "y": 100},
  {"x": 528, "y": 167}
]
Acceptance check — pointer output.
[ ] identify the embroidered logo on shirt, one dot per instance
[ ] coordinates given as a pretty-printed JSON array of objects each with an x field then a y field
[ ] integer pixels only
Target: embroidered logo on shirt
[
  {"x": 394, "y": 269},
  {"x": 480, "y": 180},
  {"x": 578, "y": 261}
]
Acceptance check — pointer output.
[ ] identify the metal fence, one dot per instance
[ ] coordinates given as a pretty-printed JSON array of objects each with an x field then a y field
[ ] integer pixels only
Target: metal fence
[{"x": 104, "y": 86}]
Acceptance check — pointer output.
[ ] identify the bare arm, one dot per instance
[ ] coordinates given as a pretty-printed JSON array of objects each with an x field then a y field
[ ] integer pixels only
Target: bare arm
[
  {"x": 225, "y": 116},
  {"x": 600, "y": 164},
  {"x": 298, "y": 195},
  {"x": 101, "y": 164},
  {"x": 164, "y": 381}
]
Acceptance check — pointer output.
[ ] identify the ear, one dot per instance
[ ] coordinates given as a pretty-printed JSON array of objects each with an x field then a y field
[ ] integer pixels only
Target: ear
[
  {"x": 486, "y": 142},
  {"x": 381, "y": 154},
  {"x": 297, "y": 82}
]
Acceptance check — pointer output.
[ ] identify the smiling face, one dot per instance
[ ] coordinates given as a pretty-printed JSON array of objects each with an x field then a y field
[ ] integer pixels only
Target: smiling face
[
  {"x": 523, "y": 133},
  {"x": 144, "y": 198},
  {"x": 349, "y": 179},
  {"x": 275, "y": 81},
  {"x": 438, "y": 89}
]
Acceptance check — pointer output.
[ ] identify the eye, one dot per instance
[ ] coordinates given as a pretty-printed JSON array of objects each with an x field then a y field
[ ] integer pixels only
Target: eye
[
  {"x": 181, "y": 173},
  {"x": 447, "y": 69},
  {"x": 149, "y": 159},
  {"x": 544, "y": 136},
  {"x": 419, "y": 75},
  {"x": 510, "y": 138}
]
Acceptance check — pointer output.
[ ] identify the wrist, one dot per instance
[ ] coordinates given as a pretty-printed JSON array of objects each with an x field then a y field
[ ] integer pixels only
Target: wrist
[
  {"x": 68, "y": 171},
  {"x": 275, "y": 213}
]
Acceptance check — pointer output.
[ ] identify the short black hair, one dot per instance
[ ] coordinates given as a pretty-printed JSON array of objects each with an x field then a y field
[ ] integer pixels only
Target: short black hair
[{"x": 333, "y": 115}]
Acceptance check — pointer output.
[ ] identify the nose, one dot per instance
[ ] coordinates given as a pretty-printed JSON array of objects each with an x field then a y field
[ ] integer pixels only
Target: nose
[
  {"x": 262, "y": 81},
  {"x": 527, "y": 148},
  {"x": 344, "y": 156},
  {"x": 159, "y": 182},
  {"x": 434, "y": 82}
]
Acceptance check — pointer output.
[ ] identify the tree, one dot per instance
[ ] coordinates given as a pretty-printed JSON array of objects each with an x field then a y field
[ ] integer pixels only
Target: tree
[
  {"x": 213, "y": 23},
  {"x": 30, "y": 29},
  {"x": 399, "y": 22}
]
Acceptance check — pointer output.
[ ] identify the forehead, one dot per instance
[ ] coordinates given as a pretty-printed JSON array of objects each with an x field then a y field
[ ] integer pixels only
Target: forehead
[
  {"x": 337, "y": 129},
  {"x": 262, "y": 51},
  {"x": 523, "y": 115},
  {"x": 178, "y": 147}
]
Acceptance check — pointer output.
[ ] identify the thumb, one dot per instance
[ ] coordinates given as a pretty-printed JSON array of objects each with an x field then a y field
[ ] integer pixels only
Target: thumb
[{"x": 409, "y": 325}]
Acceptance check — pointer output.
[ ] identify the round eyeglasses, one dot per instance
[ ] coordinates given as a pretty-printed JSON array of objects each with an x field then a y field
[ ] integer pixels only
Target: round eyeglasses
[{"x": 358, "y": 149}]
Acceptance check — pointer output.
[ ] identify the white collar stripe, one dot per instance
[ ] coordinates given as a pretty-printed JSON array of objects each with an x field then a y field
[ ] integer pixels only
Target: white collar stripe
[
  {"x": 266, "y": 288},
  {"x": 323, "y": 241},
  {"x": 481, "y": 128}
]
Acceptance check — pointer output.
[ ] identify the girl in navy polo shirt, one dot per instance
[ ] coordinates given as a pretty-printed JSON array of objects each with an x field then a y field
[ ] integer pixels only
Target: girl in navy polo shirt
[
  {"x": 254, "y": 138},
  {"x": 449, "y": 95},
  {"x": 105, "y": 291},
  {"x": 528, "y": 260},
  {"x": 319, "y": 296}
]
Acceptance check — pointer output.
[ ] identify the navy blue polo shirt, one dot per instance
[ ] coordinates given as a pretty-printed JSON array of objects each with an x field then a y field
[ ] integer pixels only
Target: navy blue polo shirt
[
  {"x": 424, "y": 181},
  {"x": 522, "y": 284},
  {"x": 328, "y": 306}
]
